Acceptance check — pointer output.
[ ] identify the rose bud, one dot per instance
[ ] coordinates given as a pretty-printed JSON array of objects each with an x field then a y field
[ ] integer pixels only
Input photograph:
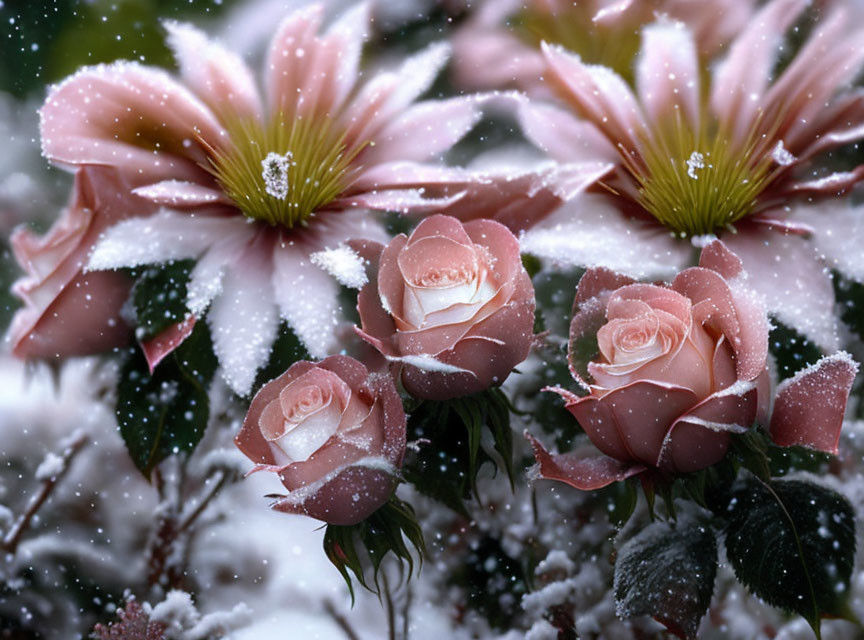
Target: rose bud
[
  {"x": 335, "y": 434},
  {"x": 452, "y": 304},
  {"x": 675, "y": 370}
]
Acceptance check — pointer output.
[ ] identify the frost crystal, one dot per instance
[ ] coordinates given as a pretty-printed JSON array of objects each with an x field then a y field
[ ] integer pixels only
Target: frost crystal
[
  {"x": 781, "y": 155},
  {"x": 694, "y": 162},
  {"x": 50, "y": 467},
  {"x": 274, "y": 171},
  {"x": 343, "y": 264}
]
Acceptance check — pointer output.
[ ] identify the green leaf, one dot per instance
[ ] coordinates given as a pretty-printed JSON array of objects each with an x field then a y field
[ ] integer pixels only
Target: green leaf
[
  {"x": 159, "y": 296},
  {"x": 793, "y": 544},
  {"x": 165, "y": 412},
  {"x": 360, "y": 548},
  {"x": 621, "y": 501},
  {"x": 287, "y": 349},
  {"x": 445, "y": 464},
  {"x": 751, "y": 451},
  {"x": 791, "y": 350},
  {"x": 667, "y": 571}
]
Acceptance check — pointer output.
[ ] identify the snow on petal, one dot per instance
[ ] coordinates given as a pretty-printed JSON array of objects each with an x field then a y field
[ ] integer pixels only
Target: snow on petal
[
  {"x": 179, "y": 193},
  {"x": 667, "y": 72},
  {"x": 787, "y": 272},
  {"x": 167, "y": 235},
  {"x": 344, "y": 264},
  {"x": 243, "y": 318},
  {"x": 218, "y": 75},
  {"x": 809, "y": 407},
  {"x": 591, "y": 232}
]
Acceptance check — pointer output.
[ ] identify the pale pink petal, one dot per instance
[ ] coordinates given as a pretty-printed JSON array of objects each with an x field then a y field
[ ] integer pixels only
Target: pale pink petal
[
  {"x": 306, "y": 295},
  {"x": 167, "y": 235},
  {"x": 350, "y": 33},
  {"x": 837, "y": 232},
  {"x": 591, "y": 231},
  {"x": 494, "y": 58},
  {"x": 156, "y": 348},
  {"x": 564, "y": 137},
  {"x": 834, "y": 184},
  {"x": 424, "y": 131},
  {"x": 582, "y": 469},
  {"x": 599, "y": 94},
  {"x": 405, "y": 201},
  {"x": 216, "y": 74},
  {"x": 243, "y": 318},
  {"x": 794, "y": 283},
  {"x": 205, "y": 280},
  {"x": 287, "y": 66},
  {"x": 119, "y": 114},
  {"x": 743, "y": 77},
  {"x": 809, "y": 407},
  {"x": 667, "y": 74},
  {"x": 387, "y": 94},
  {"x": 180, "y": 195}
]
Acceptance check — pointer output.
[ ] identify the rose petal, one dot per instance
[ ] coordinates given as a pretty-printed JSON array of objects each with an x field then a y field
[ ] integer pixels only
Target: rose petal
[
  {"x": 580, "y": 469},
  {"x": 156, "y": 348},
  {"x": 809, "y": 407}
]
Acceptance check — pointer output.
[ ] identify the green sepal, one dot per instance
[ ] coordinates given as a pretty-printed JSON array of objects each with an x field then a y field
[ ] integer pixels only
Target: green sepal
[{"x": 360, "y": 548}]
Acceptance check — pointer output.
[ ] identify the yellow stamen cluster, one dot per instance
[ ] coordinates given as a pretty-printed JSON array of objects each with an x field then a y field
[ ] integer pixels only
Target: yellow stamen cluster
[
  {"x": 698, "y": 182},
  {"x": 573, "y": 26},
  {"x": 281, "y": 172}
]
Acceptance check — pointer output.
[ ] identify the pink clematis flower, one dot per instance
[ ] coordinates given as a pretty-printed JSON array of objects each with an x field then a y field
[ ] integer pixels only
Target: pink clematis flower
[
  {"x": 737, "y": 165},
  {"x": 251, "y": 184},
  {"x": 499, "y": 45},
  {"x": 674, "y": 371}
]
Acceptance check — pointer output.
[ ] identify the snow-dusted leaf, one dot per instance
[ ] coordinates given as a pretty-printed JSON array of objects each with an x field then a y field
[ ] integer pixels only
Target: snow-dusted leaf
[
  {"x": 160, "y": 297},
  {"x": 667, "y": 571},
  {"x": 165, "y": 412},
  {"x": 793, "y": 544}
]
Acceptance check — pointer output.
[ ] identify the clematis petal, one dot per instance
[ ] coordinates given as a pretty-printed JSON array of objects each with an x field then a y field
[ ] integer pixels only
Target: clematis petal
[
  {"x": 667, "y": 73},
  {"x": 743, "y": 77},
  {"x": 243, "y": 318},
  {"x": 131, "y": 117},
  {"x": 599, "y": 94},
  {"x": 179, "y": 194},
  {"x": 167, "y": 235},
  {"x": 216, "y": 74},
  {"x": 563, "y": 136},
  {"x": 792, "y": 280},
  {"x": 591, "y": 232},
  {"x": 809, "y": 407}
]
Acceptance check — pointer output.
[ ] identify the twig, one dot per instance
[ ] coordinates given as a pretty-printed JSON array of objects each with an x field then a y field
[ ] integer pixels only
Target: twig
[
  {"x": 391, "y": 614},
  {"x": 13, "y": 536},
  {"x": 340, "y": 620},
  {"x": 215, "y": 486}
]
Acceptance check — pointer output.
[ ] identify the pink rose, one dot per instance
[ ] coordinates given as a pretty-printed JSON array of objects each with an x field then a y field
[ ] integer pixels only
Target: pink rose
[
  {"x": 333, "y": 432},
  {"x": 676, "y": 370},
  {"x": 67, "y": 311},
  {"x": 453, "y": 304}
]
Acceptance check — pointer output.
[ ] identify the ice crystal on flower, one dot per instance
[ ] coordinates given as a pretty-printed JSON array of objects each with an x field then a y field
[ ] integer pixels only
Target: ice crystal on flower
[
  {"x": 694, "y": 162},
  {"x": 274, "y": 172}
]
